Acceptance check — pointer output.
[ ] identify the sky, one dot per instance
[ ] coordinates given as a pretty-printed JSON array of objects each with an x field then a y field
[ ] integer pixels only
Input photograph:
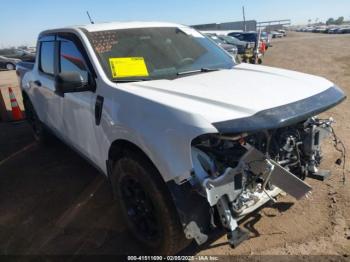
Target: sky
[{"x": 21, "y": 20}]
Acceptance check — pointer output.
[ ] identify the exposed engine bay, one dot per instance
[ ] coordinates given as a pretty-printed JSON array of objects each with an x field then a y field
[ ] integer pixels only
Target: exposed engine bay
[{"x": 238, "y": 173}]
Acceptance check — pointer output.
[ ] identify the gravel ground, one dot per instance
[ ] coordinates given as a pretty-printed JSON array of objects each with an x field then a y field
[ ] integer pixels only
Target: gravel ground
[{"x": 53, "y": 202}]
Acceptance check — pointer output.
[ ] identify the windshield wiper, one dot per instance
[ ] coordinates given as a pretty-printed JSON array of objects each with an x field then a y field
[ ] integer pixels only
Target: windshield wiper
[
  {"x": 130, "y": 80},
  {"x": 202, "y": 70}
]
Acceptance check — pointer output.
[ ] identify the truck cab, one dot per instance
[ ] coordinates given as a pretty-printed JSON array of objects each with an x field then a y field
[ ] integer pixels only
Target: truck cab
[{"x": 187, "y": 138}]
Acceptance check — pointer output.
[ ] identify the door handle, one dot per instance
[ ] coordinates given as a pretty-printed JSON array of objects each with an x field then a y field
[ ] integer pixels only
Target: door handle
[
  {"x": 98, "y": 109},
  {"x": 37, "y": 83}
]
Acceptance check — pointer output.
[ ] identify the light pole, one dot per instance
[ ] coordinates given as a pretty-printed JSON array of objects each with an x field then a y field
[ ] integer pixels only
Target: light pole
[{"x": 244, "y": 23}]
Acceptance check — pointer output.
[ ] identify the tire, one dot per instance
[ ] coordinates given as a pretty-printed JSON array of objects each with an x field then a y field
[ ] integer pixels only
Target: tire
[
  {"x": 10, "y": 66},
  {"x": 252, "y": 61},
  {"x": 40, "y": 133},
  {"x": 146, "y": 205}
]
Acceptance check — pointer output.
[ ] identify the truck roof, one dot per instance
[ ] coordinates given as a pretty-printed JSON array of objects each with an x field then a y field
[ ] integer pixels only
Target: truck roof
[{"x": 116, "y": 25}]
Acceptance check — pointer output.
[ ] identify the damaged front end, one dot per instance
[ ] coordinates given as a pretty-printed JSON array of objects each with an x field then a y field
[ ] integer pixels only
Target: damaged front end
[{"x": 237, "y": 174}]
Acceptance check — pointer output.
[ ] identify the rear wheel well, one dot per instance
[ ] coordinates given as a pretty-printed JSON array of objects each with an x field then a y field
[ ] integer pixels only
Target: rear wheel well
[{"x": 25, "y": 96}]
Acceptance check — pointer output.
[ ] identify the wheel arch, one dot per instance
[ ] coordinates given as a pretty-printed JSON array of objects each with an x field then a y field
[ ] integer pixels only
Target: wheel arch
[
  {"x": 25, "y": 95},
  {"x": 189, "y": 206},
  {"x": 118, "y": 149},
  {"x": 25, "y": 98}
]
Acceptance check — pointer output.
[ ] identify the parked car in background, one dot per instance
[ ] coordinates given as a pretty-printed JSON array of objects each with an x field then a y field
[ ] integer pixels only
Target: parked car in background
[
  {"x": 250, "y": 37},
  {"x": 231, "y": 49},
  {"x": 8, "y": 63},
  {"x": 338, "y": 30},
  {"x": 31, "y": 49},
  {"x": 333, "y": 30},
  {"x": 309, "y": 29},
  {"x": 18, "y": 54},
  {"x": 282, "y": 31},
  {"x": 241, "y": 45},
  {"x": 344, "y": 30},
  {"x": 245, "y": 49},
  {"x": 253, "y": 38},
  {"x": 276, "y": 34},
  {"x": 320, "y": 29}
]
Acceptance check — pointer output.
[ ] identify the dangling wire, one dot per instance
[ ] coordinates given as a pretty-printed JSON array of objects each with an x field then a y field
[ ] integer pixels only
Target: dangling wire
[{"x": 337, "y": 142}]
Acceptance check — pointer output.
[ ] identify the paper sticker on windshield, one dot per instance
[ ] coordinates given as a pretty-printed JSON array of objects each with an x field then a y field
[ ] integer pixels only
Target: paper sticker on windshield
[
  {"x": 191, "y": 31},
  {"x": 128, "y": 67}
]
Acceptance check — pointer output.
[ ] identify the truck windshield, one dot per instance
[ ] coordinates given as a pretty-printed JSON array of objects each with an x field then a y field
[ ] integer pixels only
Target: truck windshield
[{"x": 156, "y": 53}]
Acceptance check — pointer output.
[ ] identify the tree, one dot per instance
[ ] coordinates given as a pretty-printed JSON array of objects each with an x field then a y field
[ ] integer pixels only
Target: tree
[
  {"x": 330, "y": 21},
  {"x": 23, "y": 47},
  {"x": 339, "y": 21}
]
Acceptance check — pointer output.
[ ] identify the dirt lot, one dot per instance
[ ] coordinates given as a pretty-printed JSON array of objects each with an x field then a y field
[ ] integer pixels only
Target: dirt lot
[{"x": 53, "y": 202}]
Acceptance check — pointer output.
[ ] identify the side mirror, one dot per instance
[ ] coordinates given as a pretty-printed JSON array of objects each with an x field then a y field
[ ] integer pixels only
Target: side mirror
[{"x": 69, "y": 82}]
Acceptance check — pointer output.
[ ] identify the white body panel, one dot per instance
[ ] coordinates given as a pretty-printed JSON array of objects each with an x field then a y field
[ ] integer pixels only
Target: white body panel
[
  {"x": 162, "y": 117},
  {"x": 229, "y": 94}
]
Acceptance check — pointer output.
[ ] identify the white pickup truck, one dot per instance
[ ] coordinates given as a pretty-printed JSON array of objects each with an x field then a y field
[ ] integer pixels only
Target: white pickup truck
[{"x": 188, "y": 139}]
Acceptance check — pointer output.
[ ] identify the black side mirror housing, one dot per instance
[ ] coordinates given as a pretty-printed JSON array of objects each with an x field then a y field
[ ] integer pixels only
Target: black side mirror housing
[{"x": 69, "y": 82}]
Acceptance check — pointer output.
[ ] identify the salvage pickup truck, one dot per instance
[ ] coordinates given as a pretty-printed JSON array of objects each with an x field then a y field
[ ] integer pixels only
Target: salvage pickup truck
[{"x": 189, "y": 139}]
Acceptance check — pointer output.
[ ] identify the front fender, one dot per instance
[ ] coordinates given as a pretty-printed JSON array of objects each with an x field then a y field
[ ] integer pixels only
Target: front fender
[{"x": 163, "y": 133}]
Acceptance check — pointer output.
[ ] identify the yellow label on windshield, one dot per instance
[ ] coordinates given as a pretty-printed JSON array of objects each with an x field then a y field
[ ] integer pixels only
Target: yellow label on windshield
[{"x": 128, "y": 67}]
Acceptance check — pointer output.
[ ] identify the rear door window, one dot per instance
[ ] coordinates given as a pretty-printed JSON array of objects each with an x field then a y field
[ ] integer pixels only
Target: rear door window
[{"x": 47, "y": 57}]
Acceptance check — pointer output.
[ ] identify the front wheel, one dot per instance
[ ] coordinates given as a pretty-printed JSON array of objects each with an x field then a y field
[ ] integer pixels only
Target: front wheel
[{"x": 146, "y": 205}]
